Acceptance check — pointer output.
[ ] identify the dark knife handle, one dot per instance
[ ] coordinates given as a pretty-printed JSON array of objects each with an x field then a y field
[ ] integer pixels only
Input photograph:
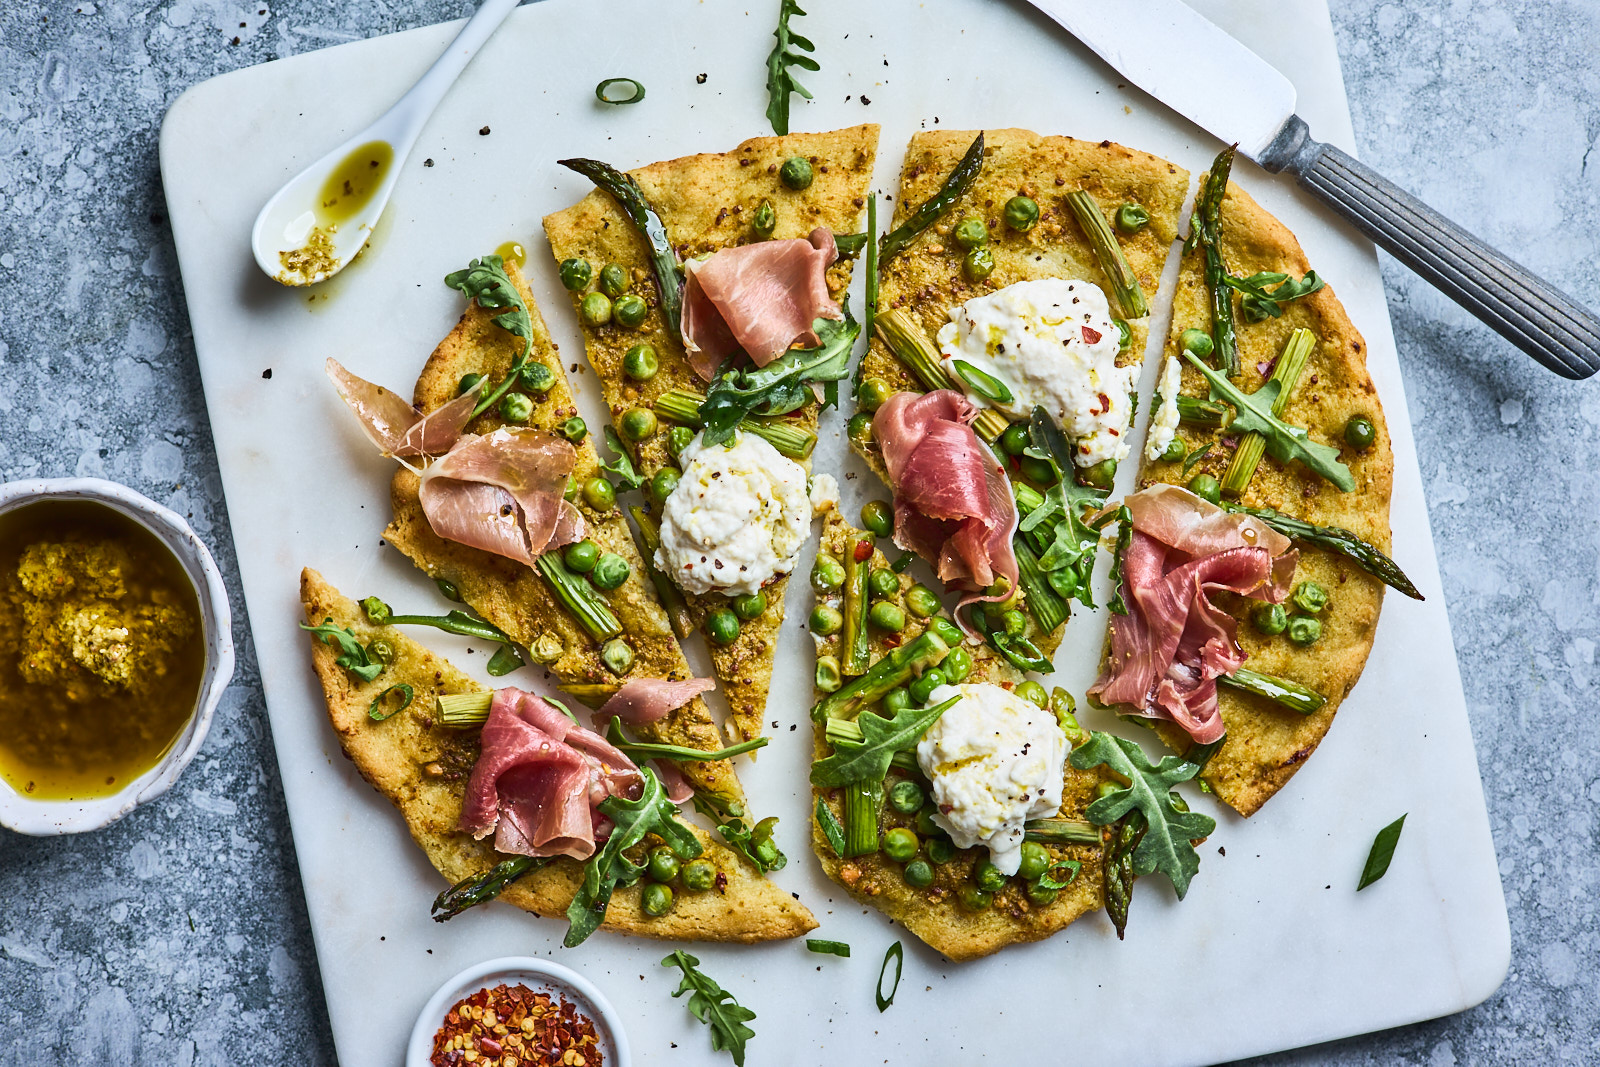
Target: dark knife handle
[{"x": 1520, "y": 306}]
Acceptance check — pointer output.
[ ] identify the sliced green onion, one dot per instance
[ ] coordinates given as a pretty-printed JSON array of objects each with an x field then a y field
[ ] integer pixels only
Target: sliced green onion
[
  {"x": 830, "y": 827},
  {"x": 602, "y": 92},
  {"x": 897, "y": 952},
  {"x": 828, "y": 948},
  {"x": 380, "y": 710},
  {"x": 984, "y": 384},
  {"x": 505, "y": 660}
]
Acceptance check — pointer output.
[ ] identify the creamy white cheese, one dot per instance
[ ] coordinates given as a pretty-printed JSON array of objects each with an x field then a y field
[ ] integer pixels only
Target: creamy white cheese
[
  {"x": 1164, "y": 423},
  {"x": 995, "y": 761},
  {"x": 1054, "y": 344},
  {"x": 824, "y": 492},
  {"x": 736, "y": 520}
]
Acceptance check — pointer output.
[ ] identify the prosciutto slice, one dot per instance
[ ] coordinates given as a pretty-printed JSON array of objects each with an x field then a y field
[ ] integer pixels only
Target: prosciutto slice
[
  {"x": 539, "y": 779},
  {"x": 646, "y": 700},
  {"x": 502, "y": 493},
  {"x": 760, "y": 298},
  {"x": 952, "y": 501},
  {"x": 1169, "y": 650},
  {"x": 393, "y": 425}
]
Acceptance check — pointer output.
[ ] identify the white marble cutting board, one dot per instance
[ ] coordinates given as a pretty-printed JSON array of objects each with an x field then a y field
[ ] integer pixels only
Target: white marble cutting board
[{"x": 1273, "y": 947}]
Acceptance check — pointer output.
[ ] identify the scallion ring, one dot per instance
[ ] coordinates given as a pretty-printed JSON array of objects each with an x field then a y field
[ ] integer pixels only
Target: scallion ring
[
  {"x": 601, "y": 91},
  {"x": 828, "y": 948},
  {"x": 379, "y": 708},
  {"x": 897, "y": 953},
  {"x": 984, "y": 384}
]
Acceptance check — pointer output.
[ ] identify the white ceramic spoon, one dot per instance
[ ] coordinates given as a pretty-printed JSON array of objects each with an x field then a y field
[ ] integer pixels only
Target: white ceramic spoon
[{"x": 297, "y": 239}]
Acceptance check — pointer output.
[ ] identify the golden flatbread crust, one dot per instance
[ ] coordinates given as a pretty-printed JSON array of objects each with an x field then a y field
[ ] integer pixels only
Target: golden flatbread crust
[
  {"x": 925, "y": 279},
  {"x": 932, "y": 913},
  {"x": 513, "y": 595},
  {"x": 707, "y": 202},
  {"x": 1266, "y": 744},
  {"x": 423, "y": 768}
]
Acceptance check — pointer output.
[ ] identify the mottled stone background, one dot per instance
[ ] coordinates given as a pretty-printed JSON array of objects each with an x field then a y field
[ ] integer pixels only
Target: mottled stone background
[{"x": 178, "y": 936}]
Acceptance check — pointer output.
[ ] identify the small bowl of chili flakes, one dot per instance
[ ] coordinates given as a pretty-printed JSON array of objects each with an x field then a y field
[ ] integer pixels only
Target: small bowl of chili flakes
[{"x": 518, "y": 1011}]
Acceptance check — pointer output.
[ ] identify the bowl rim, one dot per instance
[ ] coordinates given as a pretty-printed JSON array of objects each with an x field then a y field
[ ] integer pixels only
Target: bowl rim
[
  {"x": 39, "y": 817},
  {"x": 531, "y": 969}
]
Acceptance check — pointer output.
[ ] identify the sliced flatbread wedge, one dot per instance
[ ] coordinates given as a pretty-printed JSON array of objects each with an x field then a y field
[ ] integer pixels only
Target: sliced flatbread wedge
[
  {"x": 1266, "y": 744},
  {"x": 517, "y": 598},
  {"x": 423, "y": 768},
  {"x": 932, "y": 912},
  {"x": 708, "y": 202}
]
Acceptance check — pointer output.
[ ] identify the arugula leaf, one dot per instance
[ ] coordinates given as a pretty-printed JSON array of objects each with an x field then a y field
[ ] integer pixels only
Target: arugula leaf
[
  {"x": 1382, "y": 852},
  {"x": 897, "y": 953},
  {"x": 867, "y": 760},
  {"x": 714, "y": 1006},
  {"x": 486, "y": 281},
  {"x": 1260, "y": 303},
  {"x": 1071, "y": 867},
  {"x": 1065, "y": 544},
  {"x": 639, "y": 751},
  {"x": 1165, "y": 845},
  {"x": 756, "y": 845},
  {"x": 379, "y": 709},
  {"x": 622, "y": 467},
  {"x": 1253, "y": 414},
  {"x": 352, "y": 656},
  {"x": 780, "y": 80},
  {"x": 830, "y": 827},
  {"x": 780, "y": 386},
  {"x": 609, "y": 867}
]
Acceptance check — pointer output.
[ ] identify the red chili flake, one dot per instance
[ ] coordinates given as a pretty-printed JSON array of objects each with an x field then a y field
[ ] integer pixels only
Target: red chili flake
[
  {"x": 891, "y": 640},
  {"x": 1105, "y": 401},
  {"x": 863, "y": 551},
  {"x": 1091, "y": 336}
]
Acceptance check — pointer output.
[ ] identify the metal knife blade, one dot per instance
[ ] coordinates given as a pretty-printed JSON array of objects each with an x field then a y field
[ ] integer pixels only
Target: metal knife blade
[{"x": 1237, "y": 96}]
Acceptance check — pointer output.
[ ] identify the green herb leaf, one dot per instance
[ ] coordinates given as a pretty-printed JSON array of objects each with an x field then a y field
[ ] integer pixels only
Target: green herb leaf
[
  {"x": 1124, "y": 517},
  {"x": 897, "y": 953},
  {"x": 352, "y": 656},
  {"x": 621, "y": 467},
  {"x": 828, "y": 948},
  {"x": 505, "y": 660},
  {"x": 1071, "y": 867},
  {"x": 850, "y": 245},
  {"x": 781, "y": 386},
  {"x": 663, "y": 257},
  {"x": 602, "y": 92},
  {"x": 486, "y": 281},
  {"x": 1165, "y": 845},
  {"x": 954, "y": 188},
  {"x": 755, "y": 844},
  {"x": 639, "y": 751},
  {"x": 608, "y": 868},
  {"x": 1260, "y": 303},
  {"x": 379, "y": 708},
  {"x": 1382, "y": 852},
  {"x": 830, "y": 827},
  {"x": 1253, "y": 414},
  {"x": 1195, "y": 457},
  {"x": 714, "y": 1006},
  {"x": 780, "y": 80},
  {"x": 867, "y": 760}
]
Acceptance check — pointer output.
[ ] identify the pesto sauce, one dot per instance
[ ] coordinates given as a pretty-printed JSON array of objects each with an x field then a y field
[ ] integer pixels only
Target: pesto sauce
[{"x": 101, "y": 649}]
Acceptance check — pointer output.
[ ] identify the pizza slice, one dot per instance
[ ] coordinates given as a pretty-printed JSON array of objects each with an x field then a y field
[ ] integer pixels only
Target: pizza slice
[
  {"x": 715, "y": 383},
  {"x": 391, "y": 725}
]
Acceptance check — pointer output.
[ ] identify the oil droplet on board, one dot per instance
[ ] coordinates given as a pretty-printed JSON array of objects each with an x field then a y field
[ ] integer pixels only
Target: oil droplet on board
[
  {"x": 353, "y": 183},
  {"x": 513, "y": 252}
]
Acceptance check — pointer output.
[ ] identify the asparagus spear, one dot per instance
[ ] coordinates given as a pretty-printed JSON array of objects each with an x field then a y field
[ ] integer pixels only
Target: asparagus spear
[
  {"x": 671, "y": 596},
  {"x": 872, "y": 290},
  {"x": 955, "y": 186},
  {"x": 1291, "y": 695},
  {"x": 861, "y": 803},
  {"x": 579, "y": 598},
  {"x": 1046, "y": 606},
  {"x": 1113, "y": 264},
  {"x": 897, "y": 668},
  {"x": 1362, "y": 553},
  {"x": 1062, "y": 832},
  {"x": 633, "y": 203},
  {"x": 907, "y": 343},
  {"x": 462, "y": 710},
  {"x": 1206, "y": 414},
  {"x": 1286, "y": 372},
  {"x": 484, "y": 886},
  {"x": 1117, "y": 859},
  {"x": 683, "y": 406},
  {"x": 1206, "y": 229},
  {"x": 853, "y": 640}
]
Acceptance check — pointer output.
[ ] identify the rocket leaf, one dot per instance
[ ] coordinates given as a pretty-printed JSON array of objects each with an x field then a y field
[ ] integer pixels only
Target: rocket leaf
[
  {"x": 714, "y": 1006},
  {"x": 867, "y": 760}
]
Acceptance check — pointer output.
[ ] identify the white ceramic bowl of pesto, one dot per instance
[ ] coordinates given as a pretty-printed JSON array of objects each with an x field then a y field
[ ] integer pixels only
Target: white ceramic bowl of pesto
[{"x": 29, "y": 815}]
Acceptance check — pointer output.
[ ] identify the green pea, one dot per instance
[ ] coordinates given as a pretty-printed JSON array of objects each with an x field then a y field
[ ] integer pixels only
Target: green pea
[
  {"x": 448, "y": 589},
  {"x": 613, "y": 280},
  {"x": 1014, "y": 621},
  {"x": 921, "y": 601},
  {"x": 971, "y": 898},
  {"x": 1206, "y": 488},
  {"x": 877, "y": 516},
  {"x": 918, "y": 873},
  {"x": 657, "y": 899},
  {"x": 1035, "y": 861},
  {"x": 1041, "y": 897},
  {"x": 1014, "y": 441},
  {"x": 1033, "y": 693},
  {"x": 901, "y": 844},
  {"x": 381, "y": 650},
  {"x": 638, "y": 424},
  {"x": 1100, "y": 475},
  {"x": 905, "y": 796},
  {"x": 1037, "y": 470},
  {"x": 922, "y": 688},
  {"x": 826, "y": 621},
  {"x": 828, "y": 677},
  {"x": 765, "y": 220},
  {"x": 617, "y": 655},
  {"x": 575, "y": 273},
  {"x": 1105, "y": 789},
  {"x": 1197, "y": 341},
  {"x": 925, "y": 824},
  {"x": 1124, "y": 335},
  {"x": 664, "y": 865},
  {"x": 860, "y": 429},
  {"x": 698, "y": 876},
  {"x": 641, "y": 363},
  {"x": 827, "y": 573},
  {"x": 467, "y": 383},
  {"x": 896, "y": 700},
  {"x": 873, "y": 392},
  {"x": 941, "y": 850},
  {"x": 886, "y": 615},
  {"x": 537, "y": 378},
  {"x": 1359, "y": 432},
  {"x": 977, "y": 265},
  {"x": 1270, "y": 619},
  {"x": 595, "y": 309},
  {"x": 750, "y": 606},
  {"x": 957, "y": 666},
  {"x": 678, "y": 439},
  {"x": 1022, "y": 213},
  {"x": 516, "y": 408},
  {"x": 1310, "y": 597},
  {"x": 722, "y": 626},
  {"x": 883, "y": 583},
  {"x": 796, "y": 173},
  {"x": 598, "y": 494},
  {"x": 575, "y": 429},
  {"x": 1304, "y": 630},
  {"x": 631, "y": 310},
  {"x": 988, "y": 877},
  {"x": 970, "y": 232},
  {"x": 581, "y": 557},
  {"x": 570, "y": 493},
  {"x": 948, "y": 631},
  {"x": 663, "y": 482},
  {"x": 1175, "y": 452},
  {"x": 1131, "y": 218},
  {"x": 610, "y": 571}
]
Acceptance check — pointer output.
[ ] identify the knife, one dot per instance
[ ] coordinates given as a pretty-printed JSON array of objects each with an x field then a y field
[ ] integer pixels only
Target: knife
[{"x": 1244, "y": 100}]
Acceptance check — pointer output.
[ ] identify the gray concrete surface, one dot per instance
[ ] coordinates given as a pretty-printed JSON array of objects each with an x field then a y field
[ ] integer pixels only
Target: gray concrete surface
[{"x": 179, "y": 935}]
